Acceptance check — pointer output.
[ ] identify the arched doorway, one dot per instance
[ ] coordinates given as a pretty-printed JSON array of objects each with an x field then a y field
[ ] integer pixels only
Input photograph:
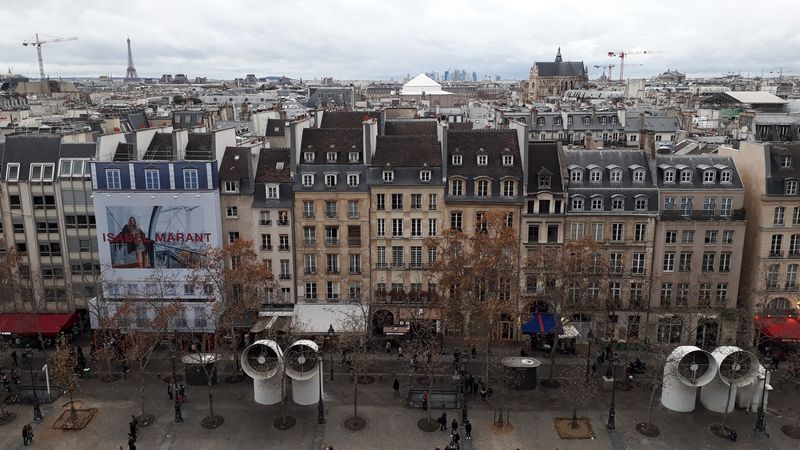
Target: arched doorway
[
  {"x": 381, "y": 318},
  {"x": 707, "y": 333}
]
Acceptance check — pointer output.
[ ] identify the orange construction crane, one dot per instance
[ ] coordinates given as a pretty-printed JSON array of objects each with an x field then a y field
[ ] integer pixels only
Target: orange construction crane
[{"x": 622, "y": 56}]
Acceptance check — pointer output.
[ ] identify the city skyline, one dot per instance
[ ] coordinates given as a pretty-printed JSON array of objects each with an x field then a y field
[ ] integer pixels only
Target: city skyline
[{"x": 301, "y": 41}]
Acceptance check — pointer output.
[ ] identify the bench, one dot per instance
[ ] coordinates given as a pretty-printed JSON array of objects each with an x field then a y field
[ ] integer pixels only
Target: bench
[{"x": 442, "y": 398}]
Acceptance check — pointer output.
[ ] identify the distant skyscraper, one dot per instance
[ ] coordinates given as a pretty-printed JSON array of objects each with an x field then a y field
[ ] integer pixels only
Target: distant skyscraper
[
  {"x": 474, "y": 76},
  {"x": 130, "y": 74},
  {"x": 446, "y": 75}
]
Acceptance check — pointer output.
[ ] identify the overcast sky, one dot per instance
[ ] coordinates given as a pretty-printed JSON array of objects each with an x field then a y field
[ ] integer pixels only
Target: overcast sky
[{"x": 380, "y": 39}]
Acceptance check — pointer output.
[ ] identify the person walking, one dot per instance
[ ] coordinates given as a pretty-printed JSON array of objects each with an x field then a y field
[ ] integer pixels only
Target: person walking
[
  {"x": 14, "y": 361},
  {"x": 396, "y": 387},
  {"x": 443, "y": 422},
  {"x": 474, "y": 386},
  {"x": 474, "y": 352},
  {"x": 424, "y": 401},
  {"x": 27, "y": 435},
  {"x": 169, "y": 390},
  {"x": 178, "y": 412},
  {"x": 388, "y": 347},
  {"x": 468, "y": 429},
  {"x": 489, "y": 393},
  {"x": 400, "y": 352},
  {"x": 131, "y": 442},
  {"x": 454, "y": 426},
  {"x": 134, "y": 427},
  {"x": 594, "y": 369},
  {"x": 483, "y": 392}
]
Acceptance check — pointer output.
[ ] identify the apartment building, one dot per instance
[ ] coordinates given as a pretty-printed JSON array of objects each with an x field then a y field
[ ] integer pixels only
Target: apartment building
[
  {"x": 406, "y": 190},
  {"x": 697, "y": 252},
  {"x": 613, "y": 199},
  {"x": 46, "y": 213}
]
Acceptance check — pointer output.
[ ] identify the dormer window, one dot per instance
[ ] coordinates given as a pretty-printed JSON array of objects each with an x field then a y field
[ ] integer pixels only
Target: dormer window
[
  {"x": 641, "y": 203},
  {"x": 540, "y": 121},
  {"x": 352, "y": 179},
  {"x": 544, "y": 181},
  {"x": 597, "y": 203},
  {"x": 113, "y": 180},
  {"x": 791, "y": 187},
  {"x": 613, "y": 119},
  {"x": 308, "y": 157},
  {"x": 457, "y": 188},
  {"x": 577, "y": 204},
  {"x": 603, "y": 120},
  {"x": 586, "y": 120},
  {"x": 353, "y": 157},
  {"x": 152, "y": 179},
  {"x": 330, "y": 157},
  {"x": 12, "y": 172},
  {"x": 595, "y": 176},
  {"x": 308, "y": 180},
  {"x": 483, "y": 160},
  {"x": 425, "y": 176},
  {"x": 786, "y": 162},
  {"x": 576, "y": 175},
  {"x": 708, "y": 176},
  {"x": 482, "y": 188},
  {"x": 569, "y": 120},
  {"x": 330, "y": 179},
  {"x": 388, "y": 176},
  {"x": 618, "y": 203},
  {"x": 725, "y": 176},
  {"x": 272, "y": 191},
  {"x": 457, "y": 160},
  {"x": 509, "y": 187},
  {"x": 508, "y": 160},
  {"x": 669, "y": 176},
  {"x": 638, "y": 175},
  {"x": 616, "y": 176},
  {"x": 686, "y": 176}
]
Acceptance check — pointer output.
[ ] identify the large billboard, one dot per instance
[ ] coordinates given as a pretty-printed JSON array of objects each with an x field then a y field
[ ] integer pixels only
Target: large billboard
[{"x": 140, "y": 233}]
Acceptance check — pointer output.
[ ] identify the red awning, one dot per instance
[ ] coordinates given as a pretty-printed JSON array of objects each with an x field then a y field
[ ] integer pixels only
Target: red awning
[
  {"x": 25, "y": 323},
  {"x": 783, "y": 328}
]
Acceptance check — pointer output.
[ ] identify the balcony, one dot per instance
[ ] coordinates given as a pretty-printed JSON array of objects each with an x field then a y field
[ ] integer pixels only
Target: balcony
[
  {"x": 416, "y": 265},
  {"x": 332, "y": 270},
  {"x": 354, "y": 242},
  {"x": 310, "y": 271},
  {"x": 265, "y": 222},
  {"x": 794, "y": 254},
  {"x": 310, "y": 242},
  {"x": 308, "y": 215},
  {"x": 331, "y": 215},
  {"x": 700, "y": 214},
  {"x": 333, "y": 299},
  {"x": 776, "y": 254},
  {"x": 635, "y": 271},
  {"x": 332, "y": 241},
  {"x": 283, "y": 248},
  {"x": 283, "y": 222},
  {"x": 353, "y": 215},
  {"x": 355, "y": 271},
  {"x": 380, "y": 265},
  {"x": 266, "y": 248},
  {"x": 398, "y": 266},
  {"x": 285, "y": 276}
]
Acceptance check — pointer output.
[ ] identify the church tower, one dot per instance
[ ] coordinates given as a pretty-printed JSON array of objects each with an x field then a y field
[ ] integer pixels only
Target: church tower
[{"x": 558, "y": 55}]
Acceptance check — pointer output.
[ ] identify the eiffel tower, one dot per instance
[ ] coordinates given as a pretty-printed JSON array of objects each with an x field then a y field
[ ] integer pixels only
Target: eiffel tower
[{"x": 130, "y": 74}]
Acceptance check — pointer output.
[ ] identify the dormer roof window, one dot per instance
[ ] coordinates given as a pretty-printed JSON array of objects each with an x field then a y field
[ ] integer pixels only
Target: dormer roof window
[
  {"x": 388, "y": 176},
  {"x": 638, "y": 175},
  {"x": 725, "y": 176},
  {"x": 557, "y": 121},
  {"x": 686, "y": 176},
  {"x": 425, "y": 176},
  {"x": 603, "y": 120},
  {"x": 616, "y": 175},
  {"x": 540, "y": 121},
  {"x": 308, "y": 157},
  {"x": 576, "y": 175},
  {"x": 353, "y": 157},
  {"x": 330, "y": 157},
  {"x": 709, "y": 175},
  {"x": 508, "y": 160},
  {"x": 669, "y": 176},
  {"x": 786, "y": 162},
  {"x": 586, "y": 120},
  {"x": 457, "y": 159},
  {"x": 596, "y": 175},
  {"x": 483, "y": 160}
]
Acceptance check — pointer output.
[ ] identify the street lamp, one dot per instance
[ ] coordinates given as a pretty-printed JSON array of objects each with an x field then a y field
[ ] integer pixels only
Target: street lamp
[
  {"x": 330, "y": 352},
  {"x": 761, "y": 416},
  {"x": 320, "y": 407},
  {"x": 589, "y": 338},
  {"x": 37, "y": 412},
  {"x": 611, "y": 411}
]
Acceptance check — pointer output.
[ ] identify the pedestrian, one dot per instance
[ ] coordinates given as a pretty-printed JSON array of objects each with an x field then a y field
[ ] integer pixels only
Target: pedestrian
[
  {"x": 169, "y": 390},
  {"x": 474, "y": 386},
  {"x": 182, "y": 390},
  {"x": 178, "y": 413},
  {"x": 468, "y": 429},
  {"x": 483, "y": 392},
  {"x": 594, "y": 369},
  {"x": 396, "y": 387},
  {"x": 180, "y": 398},
  {"x": 131, "y": 442},
  {"x": 400, "y": 352},
  {"x": 443, "y": 422},
  {"x": 522, "y": 352},
  {"x": 14, "y": 358},
  {"x": 27, "y": 436},
  {"x": 455, "y": 437},
  {"x": 474, "y": 352},
  {"x": 608, "y": 352},
  {"x": 454, "y": 426},
  {"x": 133, "y": 427},
  {"x": 424, "y": 401},
  {"x": 489, "y": 393},
  {"x": 388, "y": 347}
]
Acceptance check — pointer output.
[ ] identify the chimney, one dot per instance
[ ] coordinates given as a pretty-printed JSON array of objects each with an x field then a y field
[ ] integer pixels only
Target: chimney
[
  {"x": 522, "y": 130},
  {"x": 441, "y": 134},
  {"x": 295, "y": 141},
  {"x": 370, "y": 127}
]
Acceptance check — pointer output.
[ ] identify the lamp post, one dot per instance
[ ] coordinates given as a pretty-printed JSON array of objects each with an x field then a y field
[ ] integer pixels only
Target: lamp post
[
  {"x": 37, "y": 413},
  {"x": 330, "y": 351},
  {"x": 589, "y": 338},
  {"x": 320, "y": 407},
  {"x": 761, "y": 414},
  {"x": 611, "y": 411}
]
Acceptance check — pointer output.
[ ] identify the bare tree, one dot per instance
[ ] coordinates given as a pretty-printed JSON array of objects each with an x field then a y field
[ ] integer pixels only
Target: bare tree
[
  {"x": 354, "y": 345},
  {"x": 62, "y": 365}
]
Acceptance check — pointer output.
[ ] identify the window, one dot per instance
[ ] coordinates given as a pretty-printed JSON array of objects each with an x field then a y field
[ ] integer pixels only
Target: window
[
  {"x": 786, "y": 161},
  {"x": 41, "y": 172},
  {"x": 12, "y": 172},
  {"x": 686, "y": 206},
  {"x": 508, "y": 188},
  {"x": 482, "y": 188},
  {"x": 638, "y": 175},
  {"x": 636, "y": 294},
  {"x": 50, "y": 249},
  {"x": 397, "y": 201},
  {"x": 416, "y": 201},
  {"x": 669, "y": 262},
  {"x": 791, "y": 187},
  {"x": 617, "y": 231},
  {"x": 508, "y": 160},
  {"x": 44, "y": 201},
  {"x": 725, "y": 176},
  {"x": 231, "y": 212},
  {"x": 308, "y": 209},
  {"x": 330, "y": 210},
  {"x": 595, "y": 176},
  {"x": 456, "y": 160},
  {"x": 272, "y": 191},
  {"x": 641, "y": 203},
  {"x": 431, "y": 255},
  {"x": 431, "y": 202},
  {"x": 266, "y": 242},
  {"x": 332, "y": 235},
  {"x": 615, "y": 262},
  {"x": 791, "y": 276},
  {"x": 353, "y": 157},
  {"x": 711, "y": 237},
  {"x": 796, "y": 215},
  {"x": 233, "y": 236},
  {"x": 330, "y": 180},
  {"x": 597, "y": 203},
  {"x": 617, "y": 203},
  {"x": 552, "y": 233},
  {"x": 457, "y": 188},
  {"x": 308, "y": 180},
  {"x": 388, "y": 176},
  {"x": 576, "y": 231},
  {"x": 544, "y": 181},
  {"x": 416, "y": 257},
  {"x": 190, "y": 179},
  {"x": 615, "y": 290},
  {"x": 355, "y": 264},
  {"x": 380, "y": 202},
  {"x": 576, "y": 175},
  {"x": 455, "y": 220},
  {"x": 670, "y": 237},
  {"x": 669, "y": 176},
  {"x": 483, "y": 160},
  {"x": 687, "y": 237},
  {"x": 772, "y": 276},
  {"x": 330, "y": 157},
  {"x": 416, "y": 227},
  {"x": 708, "y": 261},
  {"x": 685, "y": 263},
  {"x": 352, "y": 179},
  {"x": 686, "y": 176},
  {"x": 284, "y": 273},
  {"x": 332, "y": 263},
  {"x": 708, "y": 176},
  {"x": 283, "y": 241},
  {"x": 727, "y": 237},
  {"x": 704, "y": 294},
  {"x": 682, "y": 294},
  {"x": 616, "y": 176},
  {"x": 637, "y": 268},
  {"x": 640, "y": 232},
  {"x": 577, "y": 204},
  {"x": 480, "y": 222},
  {"x": 725, "y": 262},
  {"x": 669, "y": 203},
  {"x": 597, "y": 232},
  {"x": 666, "y": 294},
  {"x": 726, "y": 207},
  {"x": 397, "y": 227},
  {"x": 777, "y": 215},
  {"x": 722, "y": 293},
  {"x": 794, "y": 245},
  {"x": 353, "y": 209},
  {"x": 308, "y": 157},
  {"x": 425, "y": 176},
  {"x": 311, "y": 290},
  {"x": 152, "y": 181},
  {"x": 113, "y": 180},
  {"x": 432, "y": 231},
  {"x": 380, "y": 229},
  {"x": 775, "y": 245},
  {"x": 397, "y": 257}
]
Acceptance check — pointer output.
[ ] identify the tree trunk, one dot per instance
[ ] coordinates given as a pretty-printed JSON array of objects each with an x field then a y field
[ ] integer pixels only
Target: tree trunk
[
  {"x": 73, "y": 415},
  {"x": 430, "y": 388},
  {"x": 141, "y": 388},
  {"x": 210, "y": 397},
  {"x": 727, "y": 404},
  {"x": 283, "y": 396},
  {"x": 355, "y": 393},
  {"x": 650, "y": 405}
]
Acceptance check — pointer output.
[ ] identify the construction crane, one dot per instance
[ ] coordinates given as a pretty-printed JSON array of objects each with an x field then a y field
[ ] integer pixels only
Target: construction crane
[
  {"x": 37, "y": 42},
  {"x": 606, "y": 66},
  {"x": 622, "y": 56}
]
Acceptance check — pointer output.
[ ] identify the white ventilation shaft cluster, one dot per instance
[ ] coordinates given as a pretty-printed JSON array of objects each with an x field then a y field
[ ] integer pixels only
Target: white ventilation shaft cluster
[
  {"x": 687, "y": 368},
  {"x": 737, "y": 368},
  {"x": 301, "y": 364},
  {"x": 263, "y": 362}
]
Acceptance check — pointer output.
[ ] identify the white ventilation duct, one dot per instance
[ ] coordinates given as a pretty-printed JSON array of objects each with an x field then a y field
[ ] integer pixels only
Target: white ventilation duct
[
  {"x": 263, "y": 362},
  {"x": 686, "y": 369},
  {"x": 749, "y": 397},
  {"x": 737, "y": 368},
  {"x": 303, "y": 365}
]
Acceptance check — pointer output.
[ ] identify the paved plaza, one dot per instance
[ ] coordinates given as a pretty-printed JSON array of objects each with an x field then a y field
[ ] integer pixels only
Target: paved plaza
[{"x": 390, "y": 425}]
